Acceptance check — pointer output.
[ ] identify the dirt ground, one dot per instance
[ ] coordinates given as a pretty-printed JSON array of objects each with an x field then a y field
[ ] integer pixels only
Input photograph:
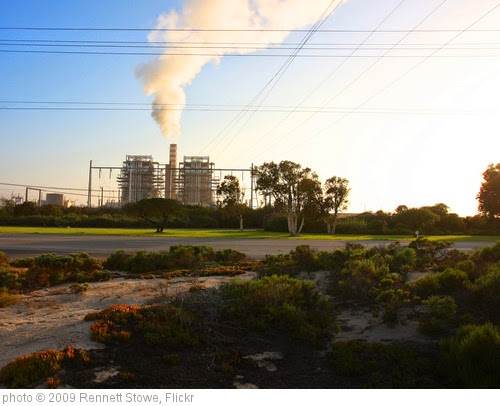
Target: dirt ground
[{"x": 53, "y": 317}]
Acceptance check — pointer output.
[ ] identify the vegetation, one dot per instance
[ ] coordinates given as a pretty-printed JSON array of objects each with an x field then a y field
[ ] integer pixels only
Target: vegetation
[
  {"x": 472, "y": 356},
  {"x": 489, "y": 194},
  {"x": 28, "y": 370}
]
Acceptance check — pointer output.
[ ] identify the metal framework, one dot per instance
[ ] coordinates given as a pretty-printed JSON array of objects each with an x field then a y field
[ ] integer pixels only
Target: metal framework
[
  {"x": 194, "y": 181},
  {"x": 140, "y": 178}
]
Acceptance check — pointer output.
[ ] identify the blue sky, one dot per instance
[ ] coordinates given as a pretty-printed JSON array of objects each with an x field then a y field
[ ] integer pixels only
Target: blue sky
[{"x": 389, "y": 159}]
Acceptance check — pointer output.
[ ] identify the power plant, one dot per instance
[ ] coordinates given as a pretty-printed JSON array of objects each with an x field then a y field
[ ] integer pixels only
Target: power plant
[{"x": 192, "y": 181}]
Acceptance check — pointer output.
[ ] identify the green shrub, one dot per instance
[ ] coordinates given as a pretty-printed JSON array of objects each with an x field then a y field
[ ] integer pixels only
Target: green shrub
[
  {"x": 403, "y": 261},
  {"x": 359, "y": 277},
  {"x": 486, "y": 292},
  {"x": 229, "y": 256},
  {"x": 290, "y": 305},
  {"x": 118, "y": 261},
  {"x": 440, "y": 316},
  {"x": 453, "y": 280},
  {"x": 10, "y": 279},
  {"x": 471, "y": 359},
  {"x": 78, "y": 287},
  {"x": 378, "y": 365},
  {"x": 305, "y": 258},
  {"x": 6, "y": 299}
]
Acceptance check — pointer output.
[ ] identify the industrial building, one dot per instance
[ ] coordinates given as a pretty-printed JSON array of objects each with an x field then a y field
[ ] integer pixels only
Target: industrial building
[
  {"x": 54, "y": 198},
  {"x": 140, "y": 178},
  {"x": 196, "y": 181},
  {"x": 191, "y": 181}
]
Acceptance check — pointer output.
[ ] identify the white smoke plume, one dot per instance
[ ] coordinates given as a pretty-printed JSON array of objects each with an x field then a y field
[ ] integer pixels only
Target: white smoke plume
[{"x": 167, "y": 76}]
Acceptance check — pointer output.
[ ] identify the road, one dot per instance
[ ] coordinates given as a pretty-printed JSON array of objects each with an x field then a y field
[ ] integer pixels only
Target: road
[{"x": 21, "y": 245}]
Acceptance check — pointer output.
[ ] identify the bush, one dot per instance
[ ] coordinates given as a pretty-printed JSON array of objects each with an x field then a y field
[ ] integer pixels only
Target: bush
[
  {"x": 378, "y": 365},
  {"x": 486, "y": 292},
  {"x": 78, "y": 287},
  {"x": 440, "y": 316},
  {"x": 156, "y": 324},
  {"x": 290, "y": 305},
  {"x": 52, "y": 269},
  {"x": 28, "y": 370},
  {"x": 359, "y": 277},
  {"x": 179, "y": 257},
  {"x": 4, "y": 260},
  {"x": 6, "y": 299},
  {"x": 471, "y": 359},
  {"x": 453, "y": 280},
  {"x": 10, "y": 279}
]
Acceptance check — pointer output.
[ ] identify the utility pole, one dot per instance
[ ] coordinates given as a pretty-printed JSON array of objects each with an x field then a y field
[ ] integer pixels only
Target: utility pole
[
  {"x": 251, "y": 187},
  {"x": 102, "y": 196},
  {"x": 89, "y": 197}
]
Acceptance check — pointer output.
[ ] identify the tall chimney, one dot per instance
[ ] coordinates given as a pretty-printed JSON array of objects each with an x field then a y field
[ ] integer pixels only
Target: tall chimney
[{"x": 171, "y": 174}]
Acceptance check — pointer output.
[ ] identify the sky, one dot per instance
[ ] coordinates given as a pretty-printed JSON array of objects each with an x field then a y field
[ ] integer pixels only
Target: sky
[{"x": 422, "y": 140}]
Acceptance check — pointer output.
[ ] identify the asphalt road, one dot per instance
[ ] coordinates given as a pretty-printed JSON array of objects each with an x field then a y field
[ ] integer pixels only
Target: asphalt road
[{"x": 21, "y": 245}]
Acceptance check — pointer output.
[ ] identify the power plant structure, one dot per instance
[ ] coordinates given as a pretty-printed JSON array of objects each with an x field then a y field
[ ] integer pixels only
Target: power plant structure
[
  {"x": 196, "y": 181},
  {"x": 192, "y": 181},
  {"x": 140, "y": 178}
]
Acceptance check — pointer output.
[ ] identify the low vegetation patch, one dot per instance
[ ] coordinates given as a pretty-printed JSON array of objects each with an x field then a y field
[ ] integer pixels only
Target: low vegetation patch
[
  {"x": 178, "y": 257},
  {"x": 472, "y": 357},
  {"x": 28, "y": 370}
]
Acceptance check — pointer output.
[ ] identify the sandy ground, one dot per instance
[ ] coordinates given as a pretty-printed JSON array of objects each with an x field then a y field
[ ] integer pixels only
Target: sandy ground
[{"x": 53, "y": 317}]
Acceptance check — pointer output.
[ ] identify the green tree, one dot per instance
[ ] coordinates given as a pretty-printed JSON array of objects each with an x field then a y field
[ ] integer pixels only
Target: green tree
[
  {"x": 335, "y": 201},
  {"x": 295, "y": 191},
  {"x": 230, "y": 198},
  {"x": 489, "y": 194},
  {"x": 157, "y": 212}
]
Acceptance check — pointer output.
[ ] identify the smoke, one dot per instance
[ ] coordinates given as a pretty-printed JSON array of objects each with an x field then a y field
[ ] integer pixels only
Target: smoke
[{"x": 167, "y": 76}]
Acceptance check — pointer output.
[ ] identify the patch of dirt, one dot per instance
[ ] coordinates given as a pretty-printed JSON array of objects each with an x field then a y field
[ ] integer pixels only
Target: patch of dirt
[
  {"x": 53, "y": 317},
  {"x": 361, "y": 324}
]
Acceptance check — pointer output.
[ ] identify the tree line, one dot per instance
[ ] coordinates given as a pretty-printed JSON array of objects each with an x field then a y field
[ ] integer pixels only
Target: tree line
[{"x": 294, "y": 201}]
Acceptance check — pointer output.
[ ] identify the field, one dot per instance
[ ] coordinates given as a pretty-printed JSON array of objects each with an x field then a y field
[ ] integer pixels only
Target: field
[{"x": 229, "y": 233}]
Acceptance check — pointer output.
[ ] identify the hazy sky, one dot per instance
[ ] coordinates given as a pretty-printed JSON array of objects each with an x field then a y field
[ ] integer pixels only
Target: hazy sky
[{"x": 423, "y": 140}]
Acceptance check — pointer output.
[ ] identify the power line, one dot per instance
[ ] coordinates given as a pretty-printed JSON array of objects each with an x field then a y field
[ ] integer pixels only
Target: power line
[
  {"x": 396, "y": 79},
  {"x": 368, "y": 47},
  {"x": 415, "y": 27},
  {"x": 240, "y": 55},
  {"x": 227, "y": 43},
  {"x": 283, "y": 68},
  {"x": 219, "y": 110},
  {"x": 233, "y": 29}
]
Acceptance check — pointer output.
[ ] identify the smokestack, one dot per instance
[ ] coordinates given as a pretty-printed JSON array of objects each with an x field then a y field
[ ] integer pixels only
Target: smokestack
[
  {"x": 171, "y": 173},
  {"x": 173, "y": 156}
]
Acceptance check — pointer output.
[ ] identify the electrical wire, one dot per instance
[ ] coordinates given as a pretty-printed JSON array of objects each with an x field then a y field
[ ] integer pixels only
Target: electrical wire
[{"x": 396, "y": 79}]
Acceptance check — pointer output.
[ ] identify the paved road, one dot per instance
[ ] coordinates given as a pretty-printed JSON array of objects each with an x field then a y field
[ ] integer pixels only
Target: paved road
[{"x": 21, "y": 245}]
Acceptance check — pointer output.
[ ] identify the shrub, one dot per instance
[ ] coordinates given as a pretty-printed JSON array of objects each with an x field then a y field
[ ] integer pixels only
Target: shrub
[
  {"x": 453, "y": 280},
  {"x": 118, "y": 261},
  {"x": 4, "y": 259},
  {"x": 426, "y": 286},
  {"x": 78, "y": 287},
  {"x": 378, "y": 365},
  {"x": 440, "y": 316},
  {"x": 157, "y": 324},
  {"x": 229, "y": 256},
  {"x": 359, "y": 277},
  {"x": 486, "y": 292},
  {"x": 27, "y": 370},
  {"x": 6, "y": 299},
  {"x": 290, "y": 305},
  {"x": 305, "y": 258},
  {"x": 10, "y": 279},
  {"x": 403, "y": 261},
  {"x": 472, "y": 357}
]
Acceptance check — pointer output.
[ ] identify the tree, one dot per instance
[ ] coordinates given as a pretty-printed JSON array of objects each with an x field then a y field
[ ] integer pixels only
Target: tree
[
  {"x": 231, "y": 198},
  {"x": 489, "y": 194},
  {"x": 157, "y": 212},
  {"x": 336, "y": 191},
  {"x": 294, "y": 190}
]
